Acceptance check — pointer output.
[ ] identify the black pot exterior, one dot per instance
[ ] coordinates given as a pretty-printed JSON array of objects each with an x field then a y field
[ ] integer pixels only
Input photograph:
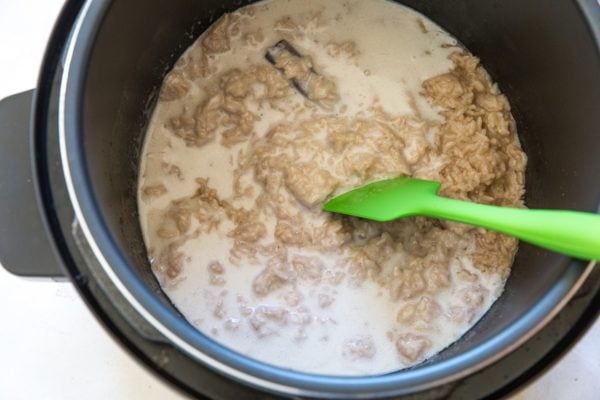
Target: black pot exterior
[{"x": 113, "y": 72}]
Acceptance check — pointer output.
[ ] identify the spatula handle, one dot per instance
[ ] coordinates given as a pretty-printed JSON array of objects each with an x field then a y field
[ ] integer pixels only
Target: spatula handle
[{"x": 573, "y": 233}]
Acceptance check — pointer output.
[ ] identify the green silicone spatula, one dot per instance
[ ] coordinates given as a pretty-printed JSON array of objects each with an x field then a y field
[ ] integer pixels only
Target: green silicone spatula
[{"x": 576, "y": 234}]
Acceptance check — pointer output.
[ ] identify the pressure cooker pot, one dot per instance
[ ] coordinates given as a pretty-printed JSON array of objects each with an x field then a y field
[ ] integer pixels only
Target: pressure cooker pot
[{"x": 100, "y": 78}]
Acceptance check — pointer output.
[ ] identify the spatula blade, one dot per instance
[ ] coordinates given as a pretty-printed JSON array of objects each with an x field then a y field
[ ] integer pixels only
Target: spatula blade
[{"x": 385, "y": 200}]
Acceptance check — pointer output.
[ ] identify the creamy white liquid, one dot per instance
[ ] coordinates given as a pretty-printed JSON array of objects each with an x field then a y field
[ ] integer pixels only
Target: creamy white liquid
[{"x": 398, "y": 49}]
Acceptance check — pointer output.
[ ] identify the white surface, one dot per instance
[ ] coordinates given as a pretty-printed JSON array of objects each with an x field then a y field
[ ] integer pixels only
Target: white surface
[{"x": 51, "y": 346}]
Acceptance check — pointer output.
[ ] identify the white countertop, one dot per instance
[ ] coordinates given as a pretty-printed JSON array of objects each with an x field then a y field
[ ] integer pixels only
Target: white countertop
[{"x": 51, "y": 347}]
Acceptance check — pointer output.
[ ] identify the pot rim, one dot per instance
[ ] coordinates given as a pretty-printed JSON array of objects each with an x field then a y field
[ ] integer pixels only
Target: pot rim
[{"x": 206, "y": 350}]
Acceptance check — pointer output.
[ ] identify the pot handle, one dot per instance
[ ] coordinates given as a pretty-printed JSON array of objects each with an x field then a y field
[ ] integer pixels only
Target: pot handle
[{"x": 25, "y": 248}]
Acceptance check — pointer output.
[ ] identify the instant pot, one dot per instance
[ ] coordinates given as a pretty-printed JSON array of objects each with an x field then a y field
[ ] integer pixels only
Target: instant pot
[{"x": 69, "y": 164}]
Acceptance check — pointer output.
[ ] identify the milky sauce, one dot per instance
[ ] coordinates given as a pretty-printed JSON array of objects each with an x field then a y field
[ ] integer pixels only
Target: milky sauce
[{"x": 343, "y": 328}]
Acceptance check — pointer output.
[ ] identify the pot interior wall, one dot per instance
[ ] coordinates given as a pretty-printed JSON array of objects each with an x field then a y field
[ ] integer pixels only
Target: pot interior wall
[{"x": 541, "y": 54}]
